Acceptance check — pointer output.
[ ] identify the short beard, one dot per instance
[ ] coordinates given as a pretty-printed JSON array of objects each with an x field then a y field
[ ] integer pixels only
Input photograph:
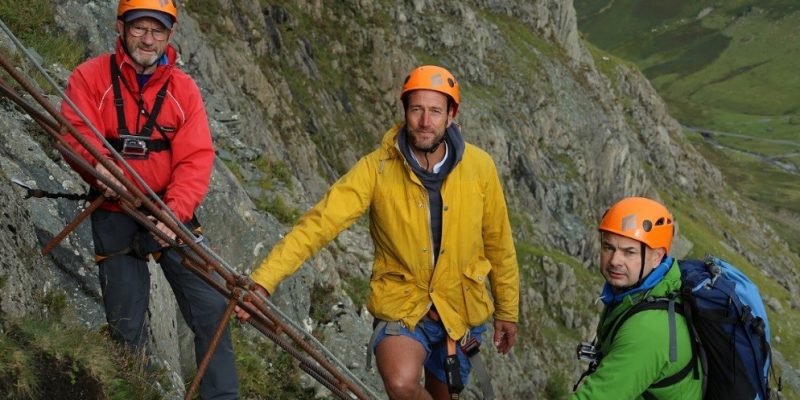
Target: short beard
[
  {"x": 428, "y": 149},
  {"x": 138, "y": 59}
]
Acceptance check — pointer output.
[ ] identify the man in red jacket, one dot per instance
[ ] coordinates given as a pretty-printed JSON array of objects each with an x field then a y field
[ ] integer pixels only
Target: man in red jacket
[{"x": 153, "y": 115}]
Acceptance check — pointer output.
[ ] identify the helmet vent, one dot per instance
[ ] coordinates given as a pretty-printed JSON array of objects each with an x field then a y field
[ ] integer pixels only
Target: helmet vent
[{"x": 647, "y": 225}]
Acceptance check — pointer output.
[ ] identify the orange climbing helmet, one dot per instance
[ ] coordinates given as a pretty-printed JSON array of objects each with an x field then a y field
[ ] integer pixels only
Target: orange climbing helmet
[
  {"x": 642, "y": 219},
  {"x": 435, "y": 78},
  {"x": 164, "y": 11}
]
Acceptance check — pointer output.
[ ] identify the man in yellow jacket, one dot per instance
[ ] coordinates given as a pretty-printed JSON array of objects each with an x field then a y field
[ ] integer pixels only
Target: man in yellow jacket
[{"x": 440, "y": 227}]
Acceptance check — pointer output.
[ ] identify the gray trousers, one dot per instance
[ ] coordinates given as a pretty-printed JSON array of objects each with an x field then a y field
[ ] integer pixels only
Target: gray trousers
[{"x": 125, "y": 281}]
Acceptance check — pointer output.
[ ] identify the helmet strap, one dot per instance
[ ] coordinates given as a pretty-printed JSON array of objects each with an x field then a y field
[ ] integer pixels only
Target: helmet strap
[
  {"x": 641, "y": 270},
  {"x": 428, "y": 152},
  {"x": 433, "y": 148}
]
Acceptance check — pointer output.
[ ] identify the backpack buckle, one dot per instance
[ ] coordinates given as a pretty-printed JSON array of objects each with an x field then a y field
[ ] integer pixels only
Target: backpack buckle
[
  {"x": 471, "y": 347},
  {"x": 587, "y": 351}
]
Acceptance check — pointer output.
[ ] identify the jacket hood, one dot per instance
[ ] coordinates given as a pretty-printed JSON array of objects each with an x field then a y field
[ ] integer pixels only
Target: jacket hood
[{"x": 389, "y": 142}]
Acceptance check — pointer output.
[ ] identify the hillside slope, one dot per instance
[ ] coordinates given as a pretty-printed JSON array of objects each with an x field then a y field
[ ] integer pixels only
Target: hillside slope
[
  {"x": 727, "y": 69},
  {"x": 297, "y": 92}
]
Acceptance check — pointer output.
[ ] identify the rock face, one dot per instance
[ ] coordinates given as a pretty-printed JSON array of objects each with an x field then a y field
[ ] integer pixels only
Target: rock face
[{"x": 297, "y": 93}]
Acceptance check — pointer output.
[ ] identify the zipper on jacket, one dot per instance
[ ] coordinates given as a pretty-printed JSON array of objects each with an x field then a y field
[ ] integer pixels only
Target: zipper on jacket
[
  {"x": 430, "y": 227},
  {"x": 422, "y": 187}
]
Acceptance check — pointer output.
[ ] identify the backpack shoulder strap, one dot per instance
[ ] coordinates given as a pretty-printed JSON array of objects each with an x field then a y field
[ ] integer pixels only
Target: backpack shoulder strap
[
  {"x": 655, "y": 303},
  {"x": 668, "y": 303},
  {"x": 671, "y": 305}
]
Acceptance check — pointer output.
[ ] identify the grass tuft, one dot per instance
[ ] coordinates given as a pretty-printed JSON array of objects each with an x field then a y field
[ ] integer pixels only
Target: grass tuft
[{"x": 45, "y": 358}]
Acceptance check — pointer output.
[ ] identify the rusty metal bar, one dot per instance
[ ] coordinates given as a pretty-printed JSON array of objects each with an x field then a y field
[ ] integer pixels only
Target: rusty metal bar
[
  {"x": 76, "y": 159},
  {"x": 212, "y": 347},
  {"x": 262, "y": 307},
  {"x": 9, "y": 92},
  {"x": 269, "y": 325},
  {"x": 193, "y": 264},
  {"x": 108, "y": 164},
  {"x": 263, "y": 317},
  {"x": 324, "y": 379},
  {"x": 99, "y": 157},
  {"x": 73, "y": 224},
  {"x": 61, "y": 145},
  {"x": 113, "y": 169}
]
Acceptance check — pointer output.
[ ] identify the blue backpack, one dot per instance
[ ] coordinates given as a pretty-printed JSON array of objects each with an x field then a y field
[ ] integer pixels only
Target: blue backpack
[{"x": 726, "y": 315}]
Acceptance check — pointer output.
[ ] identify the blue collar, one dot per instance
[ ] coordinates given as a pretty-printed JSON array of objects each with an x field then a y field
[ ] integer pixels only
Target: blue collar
[
  {"x": 653, "y": 278},
  {"x": 142, "y": 79}
]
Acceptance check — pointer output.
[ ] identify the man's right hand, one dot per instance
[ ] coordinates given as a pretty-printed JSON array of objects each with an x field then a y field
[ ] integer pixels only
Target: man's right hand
[
  {"x": 243, "y": 315},
  {"x": 108, "y": 192}
]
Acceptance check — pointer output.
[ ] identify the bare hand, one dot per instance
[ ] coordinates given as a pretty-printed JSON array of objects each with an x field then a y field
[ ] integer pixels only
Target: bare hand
[
  {"x": 108, "y": 192},
  {"x": 164, "y": 229},
  {"x": 243, "y": 315},
  {"x": 505, "y": 334}
]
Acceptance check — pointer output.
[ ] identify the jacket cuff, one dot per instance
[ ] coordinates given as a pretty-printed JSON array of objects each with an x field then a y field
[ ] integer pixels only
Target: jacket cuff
[{"x": 262, "y": 277}]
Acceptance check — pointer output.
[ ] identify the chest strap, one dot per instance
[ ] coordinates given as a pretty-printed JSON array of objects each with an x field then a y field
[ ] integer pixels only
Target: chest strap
[{"x": 136, "y": 145}]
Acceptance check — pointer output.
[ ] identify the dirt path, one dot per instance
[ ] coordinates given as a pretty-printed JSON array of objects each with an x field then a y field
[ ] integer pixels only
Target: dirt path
[{"x": 777, "y": 161}]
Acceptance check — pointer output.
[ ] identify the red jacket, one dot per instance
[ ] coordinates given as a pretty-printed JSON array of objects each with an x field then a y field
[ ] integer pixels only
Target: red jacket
[{"x": 180, "y": 175}]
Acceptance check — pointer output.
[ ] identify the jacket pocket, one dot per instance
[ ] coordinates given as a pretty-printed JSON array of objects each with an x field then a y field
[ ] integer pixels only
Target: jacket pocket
[
  {"x": 478, "y": 305},
  {"x": 392, "y": 292}
]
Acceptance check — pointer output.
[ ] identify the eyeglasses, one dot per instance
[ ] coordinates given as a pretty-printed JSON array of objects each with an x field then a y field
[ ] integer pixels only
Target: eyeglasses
[{"x": 139, "y": 31}]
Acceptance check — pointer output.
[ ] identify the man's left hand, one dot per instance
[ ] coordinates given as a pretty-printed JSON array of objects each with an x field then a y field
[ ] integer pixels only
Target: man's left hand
[
  {"x": 164, "y": 229},
  {"x": 505, "y": 334}
]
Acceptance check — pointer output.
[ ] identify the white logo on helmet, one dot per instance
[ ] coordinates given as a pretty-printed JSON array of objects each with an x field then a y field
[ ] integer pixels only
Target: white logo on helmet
[
  {"x": 436, "y": 80},
  {"x": 629, "y": 222}
]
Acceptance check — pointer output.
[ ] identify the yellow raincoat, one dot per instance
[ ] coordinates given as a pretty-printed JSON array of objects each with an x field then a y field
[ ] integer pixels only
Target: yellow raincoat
[{"x": 476, "y": 240}]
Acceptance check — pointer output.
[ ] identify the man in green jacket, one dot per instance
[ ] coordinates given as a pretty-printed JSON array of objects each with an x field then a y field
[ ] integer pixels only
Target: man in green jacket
[
  {"x": 440, "y": 227},
  {"x": 631, "y": 356}
]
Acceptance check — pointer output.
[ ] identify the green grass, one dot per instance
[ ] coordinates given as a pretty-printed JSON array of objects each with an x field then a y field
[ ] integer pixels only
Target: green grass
[
  {"x": 273, "y": 171},
  {"x": 521, "y": 43},
  {"x": 214, "y": 25},
  {"x": 730, "y": 71},
  {"x": 52, "y": 357},
  {"x": 770, "y": 126},
  {"x": 34, "y": 24},
  {"x": 265, "y": 370},
  {"x": 546, "y": 327},
  {"x": 733, "y": 64},
  {"x": 753, "y": 179},
  {"x": 357, "y": 289},
  {"x": 756, "y": 146},
  {"x": 704, "y": 47},
  {"x": 45, "y": 357},
  {"x": 696, "y": 218},
  {"x": 278, "y": 207},
  {"x": 601, "y": 23},
  {"x": 558, "y": 386},
  {"x": 607, "y": 63}
]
